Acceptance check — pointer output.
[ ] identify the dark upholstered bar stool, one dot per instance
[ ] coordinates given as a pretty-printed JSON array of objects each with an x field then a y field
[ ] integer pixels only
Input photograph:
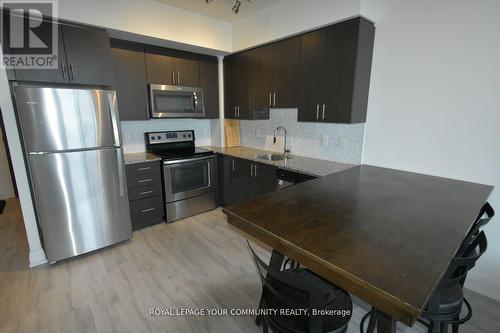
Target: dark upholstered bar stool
[
  {"x": 299, "y": 288},
  {"x": 446, "y": 304}
]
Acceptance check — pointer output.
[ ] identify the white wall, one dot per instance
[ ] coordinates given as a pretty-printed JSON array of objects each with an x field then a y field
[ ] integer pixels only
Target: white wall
[
  {"x": 6, "y": 187},
  {"x": 289, "y": 17},
  {"x": 150, "y": 18},
  {"x": 434, "y": 103},
  {"x": 36, "y": 255}
]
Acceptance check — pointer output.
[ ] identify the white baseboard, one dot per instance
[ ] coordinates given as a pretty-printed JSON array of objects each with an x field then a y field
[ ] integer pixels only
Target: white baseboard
[
  {"x": 37, "y": 258},
  {"x": 483, "y": 285}
]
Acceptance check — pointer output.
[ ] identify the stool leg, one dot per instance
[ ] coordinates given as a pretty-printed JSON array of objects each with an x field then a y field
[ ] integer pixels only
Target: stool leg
[
  {"x": 372, "y": 322},
  {"x": 444, "y": 327},
  {"x": 433, "y": 327},
  {"x": 454, "y": 327}
]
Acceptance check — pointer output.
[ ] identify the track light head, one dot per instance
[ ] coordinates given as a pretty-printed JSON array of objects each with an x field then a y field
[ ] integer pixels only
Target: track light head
[{"x": 236, "y": 7}]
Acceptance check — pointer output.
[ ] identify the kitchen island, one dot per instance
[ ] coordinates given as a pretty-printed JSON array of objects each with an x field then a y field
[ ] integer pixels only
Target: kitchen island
[{"x": 386, "y": 236}]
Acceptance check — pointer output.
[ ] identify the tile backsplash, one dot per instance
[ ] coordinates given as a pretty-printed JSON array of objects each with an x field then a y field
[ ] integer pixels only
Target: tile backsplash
[
  {"x": 133, "y": 131},
  {"x": 338, "y": 142}
]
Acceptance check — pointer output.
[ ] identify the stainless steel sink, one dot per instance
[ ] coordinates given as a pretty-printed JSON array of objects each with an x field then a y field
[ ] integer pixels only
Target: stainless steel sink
[{"x": 272, "y": 157}]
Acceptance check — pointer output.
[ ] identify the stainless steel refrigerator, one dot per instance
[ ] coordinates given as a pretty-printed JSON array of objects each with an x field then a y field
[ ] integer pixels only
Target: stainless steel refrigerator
[{"x": 73, "y": 145}]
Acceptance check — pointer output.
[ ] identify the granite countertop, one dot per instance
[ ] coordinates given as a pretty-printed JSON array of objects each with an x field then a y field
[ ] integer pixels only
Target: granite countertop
[
  {"x": 140, "y": 158},
  {"x": 312, "y": 166}
]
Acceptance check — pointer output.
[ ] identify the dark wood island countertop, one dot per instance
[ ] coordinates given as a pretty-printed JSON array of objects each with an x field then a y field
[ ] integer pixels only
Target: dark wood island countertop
[{"x": 385, "y": 235}]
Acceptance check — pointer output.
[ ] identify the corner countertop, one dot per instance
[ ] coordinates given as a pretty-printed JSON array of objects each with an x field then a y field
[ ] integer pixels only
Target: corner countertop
[
  {"x": 140, "y": 158},
  {"x": 312, "y": 166}
]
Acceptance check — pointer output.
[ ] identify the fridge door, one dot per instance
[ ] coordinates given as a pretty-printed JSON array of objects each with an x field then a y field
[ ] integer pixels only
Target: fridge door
[
  {"x": 57, "y": 119},
  {"x": 81, "y": 199}
]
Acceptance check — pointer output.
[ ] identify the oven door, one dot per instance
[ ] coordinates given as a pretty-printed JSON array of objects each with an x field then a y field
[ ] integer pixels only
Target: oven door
[
  {"x": 188, "y": 178},
  {"x": 176, "y": 101}
]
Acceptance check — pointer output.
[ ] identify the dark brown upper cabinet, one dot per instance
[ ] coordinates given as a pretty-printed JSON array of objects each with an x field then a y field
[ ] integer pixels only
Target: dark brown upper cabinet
[
  {"x": 172, "y": 67},
  {"x": 237, "y": 82},
  {"x": 88, "y": 55},
  {"x": 209, "y": 82},
  {"x": 335, "y": 66},
  {"x": 275, "y": 71},
  {"x": 261, "y": 78},
  {"x": 129, "y": 67},
  {"x": 84, "y": 57}
]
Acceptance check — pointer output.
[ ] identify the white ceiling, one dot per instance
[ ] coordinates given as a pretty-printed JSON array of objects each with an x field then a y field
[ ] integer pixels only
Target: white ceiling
[{"x": 221, "y": 9}]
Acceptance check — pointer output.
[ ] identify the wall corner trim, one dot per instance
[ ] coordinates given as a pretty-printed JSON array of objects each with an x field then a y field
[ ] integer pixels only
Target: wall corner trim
[{"x": 37, "y": 258}]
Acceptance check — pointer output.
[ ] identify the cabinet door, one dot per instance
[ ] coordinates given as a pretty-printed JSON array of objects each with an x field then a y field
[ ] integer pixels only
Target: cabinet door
[
  {"x": 209, "y": 82},
  {"x": 285, "y": 70},
  {"x": 243, "y": 82},
  {"x": 349, "y": 50},
  {"x": 160, "y": 66},
  {"x": 312, "y": 67},
  {"x": 237, "y": 180},
  {"x": 88, "y": 55},
  {"x": 187, "y": 68},
  {"x": 339, "y": 70},
  {"x": 130, "y": 82},
  {"x": 265, "y": 180},
  {"x": 58, "y": 75},
  {"x": 230, "y": 86},
  {"x": 260, "y": 62}
]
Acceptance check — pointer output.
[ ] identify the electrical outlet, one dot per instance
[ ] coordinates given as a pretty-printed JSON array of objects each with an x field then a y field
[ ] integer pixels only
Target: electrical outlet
[{"x": 325, "y": 140}]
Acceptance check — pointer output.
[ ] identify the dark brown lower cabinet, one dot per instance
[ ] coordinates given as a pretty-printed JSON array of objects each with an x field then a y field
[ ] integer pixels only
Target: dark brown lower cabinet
[
  {"x": 145, "y": 193},
  {"x": 241, "y": 179}
]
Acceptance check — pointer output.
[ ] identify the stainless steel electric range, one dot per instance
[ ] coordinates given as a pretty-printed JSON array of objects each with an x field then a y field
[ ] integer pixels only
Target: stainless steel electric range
[{"x": 188, "y": 173}]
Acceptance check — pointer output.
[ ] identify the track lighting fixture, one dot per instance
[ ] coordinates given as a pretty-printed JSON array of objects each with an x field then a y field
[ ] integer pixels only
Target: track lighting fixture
[{"x": 236, "y": 7}]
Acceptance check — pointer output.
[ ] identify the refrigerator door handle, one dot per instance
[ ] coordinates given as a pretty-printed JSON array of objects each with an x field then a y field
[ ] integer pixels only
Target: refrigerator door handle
[
  {"x": 120, "y": 171},
  {"x": 114, "y": 117}
]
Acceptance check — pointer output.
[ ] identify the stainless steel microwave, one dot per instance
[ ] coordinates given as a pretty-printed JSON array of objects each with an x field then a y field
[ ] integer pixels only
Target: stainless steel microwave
[{"x": 176, "y": 101}]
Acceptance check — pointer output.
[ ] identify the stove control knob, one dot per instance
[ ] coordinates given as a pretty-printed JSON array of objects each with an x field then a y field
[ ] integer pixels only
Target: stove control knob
[{"x": 159, "y": 137}]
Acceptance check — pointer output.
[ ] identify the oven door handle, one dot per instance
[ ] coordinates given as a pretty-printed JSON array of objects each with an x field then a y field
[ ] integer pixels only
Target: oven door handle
[{"x": 186, "y": 160}]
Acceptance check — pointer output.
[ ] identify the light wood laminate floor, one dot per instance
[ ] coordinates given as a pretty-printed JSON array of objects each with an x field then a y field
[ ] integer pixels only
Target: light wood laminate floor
[{"x": 195, "y": 263}]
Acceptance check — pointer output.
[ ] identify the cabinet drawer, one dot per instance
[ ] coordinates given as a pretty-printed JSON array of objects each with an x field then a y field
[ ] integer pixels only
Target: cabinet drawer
[
  {"x": 143, "y": 180},
  {"x": 142, "y": 168},
  {"x": 144, "y": 192},
  {"x": 146, "y": 212}
]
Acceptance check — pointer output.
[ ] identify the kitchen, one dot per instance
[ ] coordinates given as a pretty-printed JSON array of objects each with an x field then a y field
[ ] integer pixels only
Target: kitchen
[{"x": 253, "y": 101}]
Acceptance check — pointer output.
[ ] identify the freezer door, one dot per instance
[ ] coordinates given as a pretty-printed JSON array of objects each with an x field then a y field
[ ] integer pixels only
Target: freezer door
[
  {"x": 81, "y": 200},
  {"x": 67, "y": 119}
]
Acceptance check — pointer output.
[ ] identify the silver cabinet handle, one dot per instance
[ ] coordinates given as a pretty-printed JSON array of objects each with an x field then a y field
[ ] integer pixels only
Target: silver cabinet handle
[
  {"x": 234, "y": 167},
  {"x": 64, "y": 71},
  {"x": 274, "y": 99},
  {"x": 145, "y": 180},
  {"x": 324, "y": 108},
  {"x": 270, "y": 99},
  {"x": 173, "y": 78},
  {"x": 145, "y": 192},
  {"x": 147, "y": 210},
  {"x": 317, "y": 111},
  {"x": 255, "y": 170},
  {"x": 145, "y": 168},
  {"x": 72, "y": 71},
  {"x": 178, "y": 78},
  {"x": 235, "y": 113},
  {"x": 251, "y": 170}
]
